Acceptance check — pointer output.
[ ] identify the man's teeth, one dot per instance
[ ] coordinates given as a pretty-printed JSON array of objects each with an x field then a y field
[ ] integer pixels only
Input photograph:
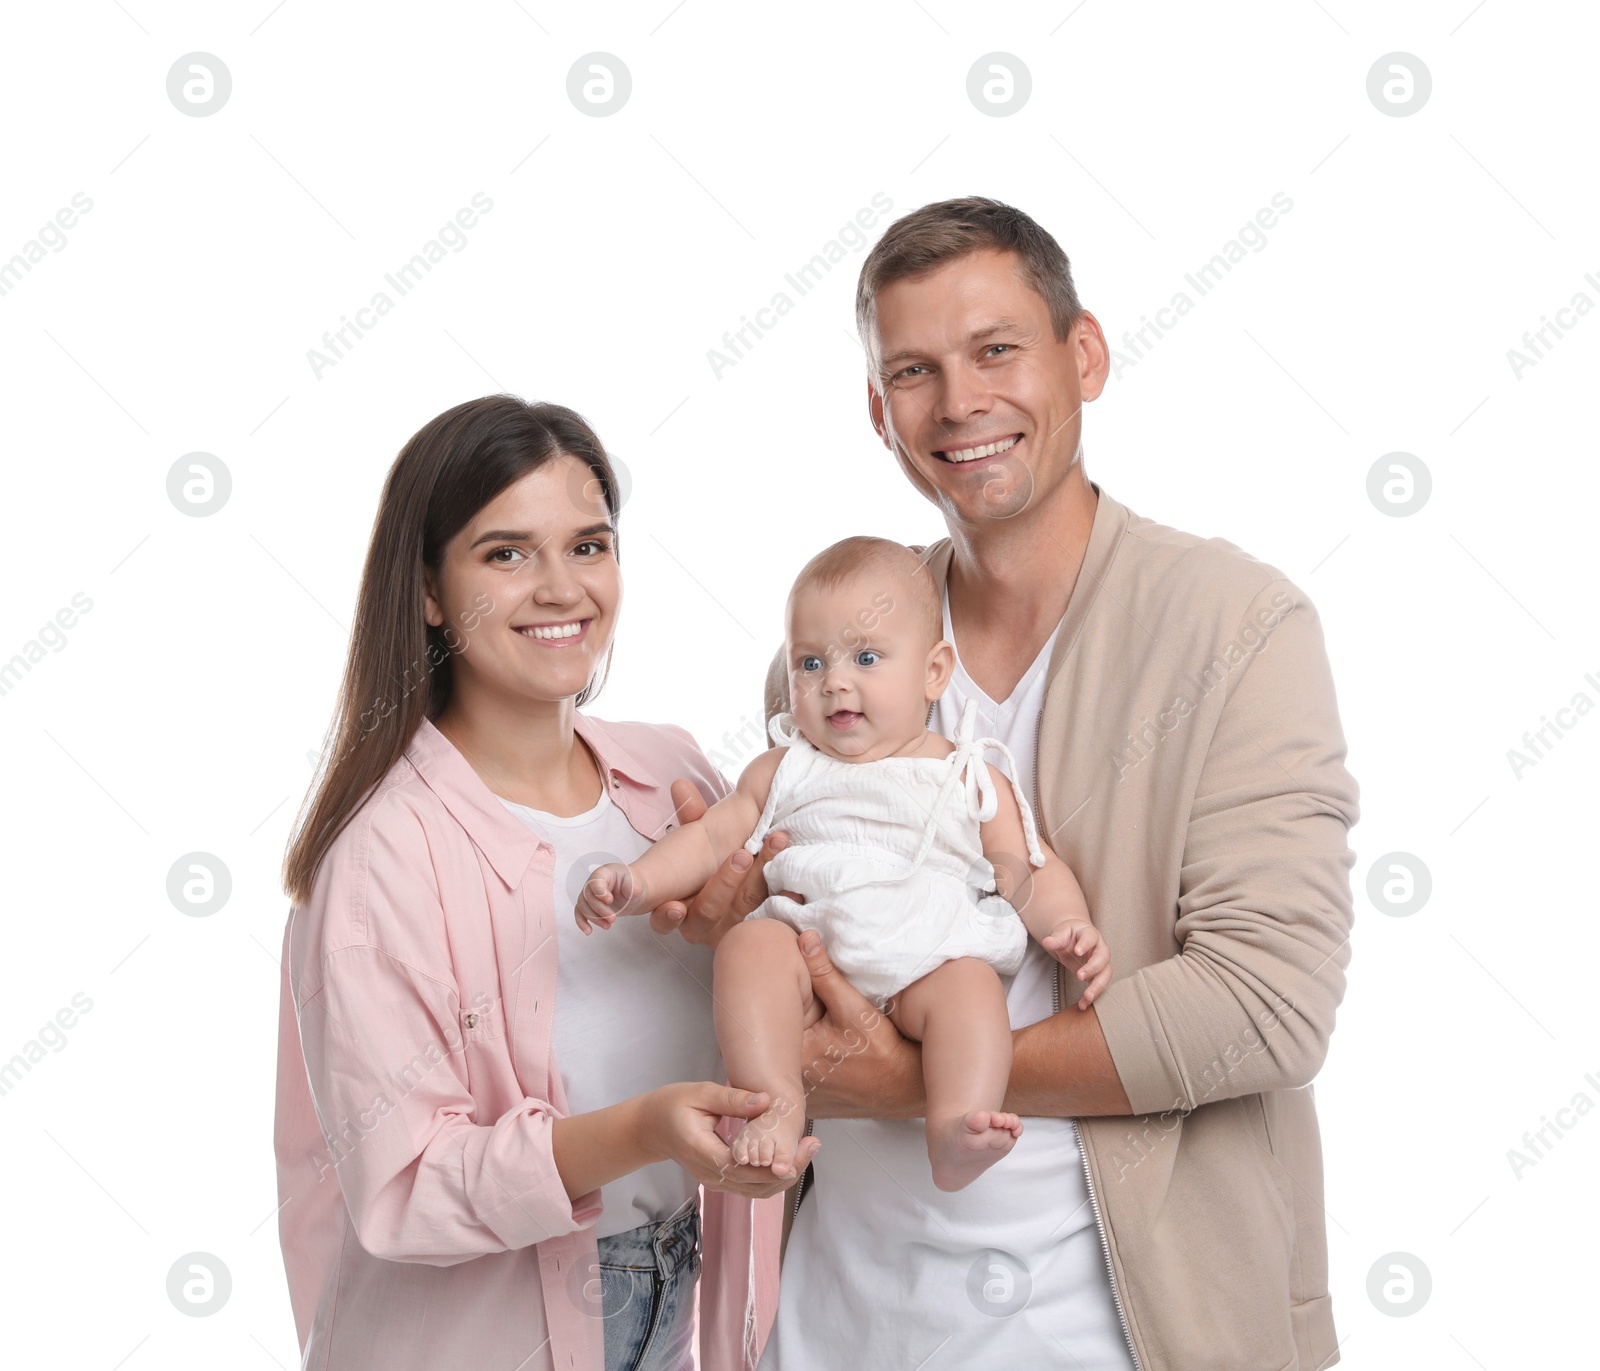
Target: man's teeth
[
  {"x": 971, "y": 454},
  {"x": 559, "y": 631}
]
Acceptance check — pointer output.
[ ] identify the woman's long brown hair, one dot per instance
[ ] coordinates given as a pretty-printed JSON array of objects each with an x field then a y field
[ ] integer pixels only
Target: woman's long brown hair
[{"x": 398, "y": 670}]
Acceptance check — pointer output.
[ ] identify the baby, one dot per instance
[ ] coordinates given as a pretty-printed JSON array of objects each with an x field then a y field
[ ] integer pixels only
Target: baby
[{"x": 905, "y": 848}]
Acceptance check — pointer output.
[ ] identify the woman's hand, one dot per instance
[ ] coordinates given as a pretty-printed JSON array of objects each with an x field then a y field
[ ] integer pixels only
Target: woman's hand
[
  {"x": 679, "y": 1123},
  {"x": 739, "y": 886},
  {"x": 856, "y": 1064}
]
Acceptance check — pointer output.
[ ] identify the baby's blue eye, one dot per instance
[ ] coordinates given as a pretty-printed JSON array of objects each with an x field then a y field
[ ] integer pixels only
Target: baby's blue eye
[
  {"x": 864, "y": 654},
  {"x": 810, "y": 663}
]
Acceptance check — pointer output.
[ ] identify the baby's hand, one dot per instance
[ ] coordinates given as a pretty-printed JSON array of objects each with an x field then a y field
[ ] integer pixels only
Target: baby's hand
[
  {"x": 611, "y": 890},
  {"x": 1077, "y": 944}
]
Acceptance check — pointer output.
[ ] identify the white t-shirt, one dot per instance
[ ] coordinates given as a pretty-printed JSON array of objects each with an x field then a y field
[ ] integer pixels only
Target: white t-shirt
[
  {"x": 885, "y": 1269},
  {"x": 633, "y": 1008}
]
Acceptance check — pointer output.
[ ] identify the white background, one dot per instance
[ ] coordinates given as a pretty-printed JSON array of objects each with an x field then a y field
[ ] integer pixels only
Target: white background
[{"x": 179, "y": 712}]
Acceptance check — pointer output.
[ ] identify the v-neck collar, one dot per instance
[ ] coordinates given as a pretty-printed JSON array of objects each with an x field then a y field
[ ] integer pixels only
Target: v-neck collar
[
  {"x": 1105, "y": 536},
  {"x": 986, "y": 703}
]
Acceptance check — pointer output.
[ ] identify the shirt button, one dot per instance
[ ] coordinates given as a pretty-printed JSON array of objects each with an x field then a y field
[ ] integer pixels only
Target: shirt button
[
  {"x": 471, "y": 1021},
  {"x": 614, "y": 781}
]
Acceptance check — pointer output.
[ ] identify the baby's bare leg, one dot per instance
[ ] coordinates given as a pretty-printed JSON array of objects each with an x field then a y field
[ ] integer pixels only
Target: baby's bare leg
[
  {"x": 958, "y": 1012},
  {"x": 761, "y": 1004}
]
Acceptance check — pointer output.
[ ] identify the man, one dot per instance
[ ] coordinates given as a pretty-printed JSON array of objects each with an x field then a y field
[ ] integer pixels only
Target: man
[{"x": 1169, "y": 704}]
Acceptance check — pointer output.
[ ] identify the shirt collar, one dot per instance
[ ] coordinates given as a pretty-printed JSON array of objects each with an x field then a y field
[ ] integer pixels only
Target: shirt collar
[{"x": 508, "y": 843}]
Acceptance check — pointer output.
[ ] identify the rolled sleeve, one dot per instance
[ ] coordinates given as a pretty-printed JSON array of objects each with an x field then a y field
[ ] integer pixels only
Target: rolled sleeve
[
  {"x": 1264, "y": 910},
  {"x": 423, "y": 1178}
]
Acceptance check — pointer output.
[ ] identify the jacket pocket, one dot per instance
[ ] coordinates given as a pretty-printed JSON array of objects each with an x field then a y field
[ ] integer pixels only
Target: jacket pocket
[
  {"x": 1282, "y": 1181},
  {"x": 1266, "y": 1127}
]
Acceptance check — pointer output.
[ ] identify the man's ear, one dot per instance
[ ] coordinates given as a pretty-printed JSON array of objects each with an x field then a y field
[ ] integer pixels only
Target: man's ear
[
  {"x": 941, "y": 667},
  {"x": 1093, "y": 357},
  {"x": 875, "y": 413}
]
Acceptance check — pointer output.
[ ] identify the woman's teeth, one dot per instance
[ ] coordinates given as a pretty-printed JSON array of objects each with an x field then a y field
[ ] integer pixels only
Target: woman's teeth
[
  {"x": 971, "y": 454},
  {"x": 557, "y": 631}
]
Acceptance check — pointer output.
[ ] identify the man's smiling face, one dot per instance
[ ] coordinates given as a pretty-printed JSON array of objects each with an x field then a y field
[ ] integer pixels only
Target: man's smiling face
[{"x": 981, "y": 404}]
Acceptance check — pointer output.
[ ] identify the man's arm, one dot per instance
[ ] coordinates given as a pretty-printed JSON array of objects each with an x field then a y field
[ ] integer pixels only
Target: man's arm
[
  {"x": 1061, "y": 1068},
  {"x": 1264, "y": 905}
]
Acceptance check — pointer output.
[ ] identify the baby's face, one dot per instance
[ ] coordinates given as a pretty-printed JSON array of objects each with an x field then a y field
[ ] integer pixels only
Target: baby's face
[{"x": 862, "y": 669}]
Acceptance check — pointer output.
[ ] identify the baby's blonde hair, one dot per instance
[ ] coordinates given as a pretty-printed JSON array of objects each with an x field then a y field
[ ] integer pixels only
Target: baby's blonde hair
[{"x": 891, "y": 563}]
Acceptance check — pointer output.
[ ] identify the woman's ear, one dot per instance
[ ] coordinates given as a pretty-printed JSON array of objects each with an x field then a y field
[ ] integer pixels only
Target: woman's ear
[
  {"x": 431, "y": 612},
  {"x": 941, "y": 667}
]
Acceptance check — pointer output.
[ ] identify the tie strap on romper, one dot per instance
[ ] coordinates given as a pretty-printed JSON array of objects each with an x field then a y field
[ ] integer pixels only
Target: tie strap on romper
[{"x": 967, "y": 768}]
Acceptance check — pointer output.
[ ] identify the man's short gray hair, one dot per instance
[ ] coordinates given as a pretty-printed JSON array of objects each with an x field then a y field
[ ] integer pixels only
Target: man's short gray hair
[{"x": 928, "y": 238}]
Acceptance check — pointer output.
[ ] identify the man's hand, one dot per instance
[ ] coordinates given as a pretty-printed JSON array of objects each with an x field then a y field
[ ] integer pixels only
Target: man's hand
[
  {"x": 857, "y": 1066},
  {"x": 739, "y": 886},
  {"x": 1079, "y": 947},
  {"x": 854, "y": 1062}
]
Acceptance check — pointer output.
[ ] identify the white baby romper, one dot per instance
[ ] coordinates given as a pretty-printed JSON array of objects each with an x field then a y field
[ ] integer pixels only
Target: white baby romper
[{"x": 888, "y": 857}]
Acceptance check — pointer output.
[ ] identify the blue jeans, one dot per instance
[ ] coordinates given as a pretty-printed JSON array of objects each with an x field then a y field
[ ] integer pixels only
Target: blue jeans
[{"x": 647, "y": 1278}]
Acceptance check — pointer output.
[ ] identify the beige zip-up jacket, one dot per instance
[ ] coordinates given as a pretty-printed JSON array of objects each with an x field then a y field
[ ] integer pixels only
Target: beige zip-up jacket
[{"x": 1191, "y": 772}]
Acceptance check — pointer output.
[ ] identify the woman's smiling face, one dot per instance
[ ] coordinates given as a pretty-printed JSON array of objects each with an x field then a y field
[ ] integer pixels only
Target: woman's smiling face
[{"x": 530, "y": 588}]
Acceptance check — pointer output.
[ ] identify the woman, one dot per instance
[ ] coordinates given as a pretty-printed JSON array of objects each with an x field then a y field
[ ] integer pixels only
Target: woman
[{"x": 491, "y": 1131}]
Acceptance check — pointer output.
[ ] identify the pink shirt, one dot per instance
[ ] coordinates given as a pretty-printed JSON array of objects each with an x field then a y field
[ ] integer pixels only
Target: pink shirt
[{"x": 422, "y": 1219}]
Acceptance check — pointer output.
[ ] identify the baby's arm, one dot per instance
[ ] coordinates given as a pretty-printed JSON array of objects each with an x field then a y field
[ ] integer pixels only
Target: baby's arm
[
  {"x": 1048, "y": 898},
  {"x": 683, "y": 859}
]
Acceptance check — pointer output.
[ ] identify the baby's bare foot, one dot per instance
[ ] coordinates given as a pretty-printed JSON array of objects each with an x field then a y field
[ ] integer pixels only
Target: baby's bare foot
[
  {"x": 770, "y": 1139},
  {"x": 965, "y": 1147}
]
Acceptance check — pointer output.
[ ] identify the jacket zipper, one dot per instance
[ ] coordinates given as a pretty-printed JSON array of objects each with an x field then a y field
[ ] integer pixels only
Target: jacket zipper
[
  {"x": 800, "y": 1185},
  {"x": 1083, "y": 1152}
]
